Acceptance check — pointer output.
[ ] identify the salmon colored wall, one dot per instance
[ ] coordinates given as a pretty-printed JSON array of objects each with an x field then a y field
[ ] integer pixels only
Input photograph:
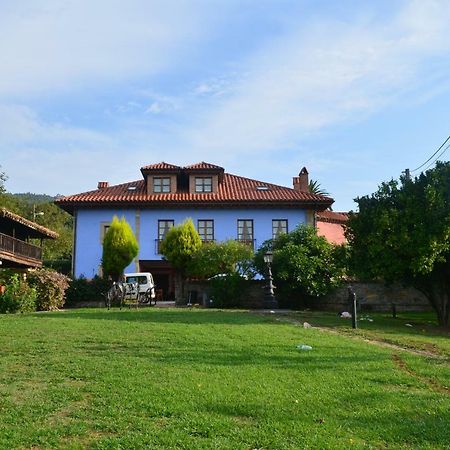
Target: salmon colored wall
[{"x": 333, "y": 232}]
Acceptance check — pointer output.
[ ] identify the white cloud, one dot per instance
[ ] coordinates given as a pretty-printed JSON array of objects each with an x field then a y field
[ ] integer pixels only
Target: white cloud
[
  {"x": 328, "y": 73},
  {"x": 54, "y": 45}
]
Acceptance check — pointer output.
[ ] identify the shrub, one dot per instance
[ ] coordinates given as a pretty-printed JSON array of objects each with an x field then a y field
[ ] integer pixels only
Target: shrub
[
  {"x": 82, "y": 289},
  {"x": 304, "y": 265},
  {"x": 228, "y": 290},
  {"x": 18, "y": 296},
  {"x": 50, "y": 287}
]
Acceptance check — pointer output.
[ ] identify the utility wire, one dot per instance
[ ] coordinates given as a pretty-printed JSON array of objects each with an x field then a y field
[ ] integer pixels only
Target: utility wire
[
  {"x": 431, "y": 157},
  {"x": 437, "y": 157}
]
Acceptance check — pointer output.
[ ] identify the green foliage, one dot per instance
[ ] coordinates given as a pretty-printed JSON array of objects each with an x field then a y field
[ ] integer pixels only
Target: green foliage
[
  {"x": 221, "y": 258},
  {"x": 50, "y": 287},
  {"x": 18, "y": 296},
  {"x": 119, "y": 247},
  {"x": 3, "y": 178},
  {"x": 304, "y": 265},
  {"x": 180, "y": 244},
  {"x": 402, "y": 233},
  {"x": 229, "y": 290},
  {"x": 82, "y": 290},
  {"x": 315, "y": 188}
]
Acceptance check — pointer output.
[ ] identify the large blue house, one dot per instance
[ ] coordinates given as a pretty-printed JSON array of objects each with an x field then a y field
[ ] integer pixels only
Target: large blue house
[{"x": 222, "y": 206}]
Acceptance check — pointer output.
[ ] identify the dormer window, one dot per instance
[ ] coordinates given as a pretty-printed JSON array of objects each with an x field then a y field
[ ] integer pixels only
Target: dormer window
[
  {"x": 161, "y": 184},
  {"x": 203, "y": 184}
]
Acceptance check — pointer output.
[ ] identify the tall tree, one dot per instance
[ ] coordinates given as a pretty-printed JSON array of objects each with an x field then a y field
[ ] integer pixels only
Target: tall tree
[
  {"x": 304, "y": 265},
  {"x": 119, "y": 248},
  {"x": 221, "y": 258},
  {"x": 402, "y": 233},
  {"x": 178, "y": 246}
]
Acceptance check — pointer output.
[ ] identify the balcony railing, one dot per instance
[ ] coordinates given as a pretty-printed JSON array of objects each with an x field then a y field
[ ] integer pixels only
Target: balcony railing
[
  {"x": 250, "y": 242},
  {"x": 158, "y": 244},
  {"x": 18, "y": 248}
]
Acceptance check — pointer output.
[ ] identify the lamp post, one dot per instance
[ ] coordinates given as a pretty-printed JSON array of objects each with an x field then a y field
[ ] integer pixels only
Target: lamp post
[
  {"x": 39, "y": 213},
  {"x": 269, "y": 298}
]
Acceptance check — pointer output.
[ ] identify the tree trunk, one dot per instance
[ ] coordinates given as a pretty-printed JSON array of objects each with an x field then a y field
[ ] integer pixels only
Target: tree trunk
[
  {"x": 179, "y": 289},
  {"x": 437, "y": 291}
]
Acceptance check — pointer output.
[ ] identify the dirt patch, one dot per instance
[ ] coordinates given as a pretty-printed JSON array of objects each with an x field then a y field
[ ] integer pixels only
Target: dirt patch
[
  {"x": 430, "y": 352},
  {"x": 432, "y": 384}
]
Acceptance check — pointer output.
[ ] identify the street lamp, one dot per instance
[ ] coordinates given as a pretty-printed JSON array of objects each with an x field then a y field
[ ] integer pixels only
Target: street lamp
[
  {"x": 39, "y": 213},
  {"x": 269, "y": 299}
]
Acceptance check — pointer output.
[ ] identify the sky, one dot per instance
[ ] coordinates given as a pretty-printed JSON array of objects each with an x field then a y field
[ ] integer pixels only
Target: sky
[{"x": 93, "y": 90}]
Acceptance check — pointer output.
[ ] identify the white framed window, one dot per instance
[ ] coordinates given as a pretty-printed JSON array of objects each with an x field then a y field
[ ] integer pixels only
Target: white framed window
[{"x": 203, "y": 184}]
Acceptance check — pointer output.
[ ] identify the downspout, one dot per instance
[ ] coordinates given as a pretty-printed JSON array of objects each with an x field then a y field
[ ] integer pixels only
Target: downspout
[{"x": 74, "y": 242}]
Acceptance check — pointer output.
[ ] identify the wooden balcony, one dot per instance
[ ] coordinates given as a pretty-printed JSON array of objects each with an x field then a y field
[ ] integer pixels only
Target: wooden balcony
[{"x": 19, "y": 252}]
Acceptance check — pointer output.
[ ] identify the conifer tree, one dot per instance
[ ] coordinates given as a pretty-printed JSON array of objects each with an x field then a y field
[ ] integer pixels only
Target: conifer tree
[
  {"x": 179, "y": 245},
  {"x": 119, "y": 248}
]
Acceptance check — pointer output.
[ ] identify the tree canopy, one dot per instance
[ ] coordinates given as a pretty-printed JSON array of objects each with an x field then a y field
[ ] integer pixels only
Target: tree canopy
[
  {"x": 304, "y": 265},
  {"x": 221, "y": 258},
  {"x": 180, "y": 243},
  {"x": 402, "y": 233},
  {"x": 119, "y": 247},
  {"x": 178, "y": 247}
]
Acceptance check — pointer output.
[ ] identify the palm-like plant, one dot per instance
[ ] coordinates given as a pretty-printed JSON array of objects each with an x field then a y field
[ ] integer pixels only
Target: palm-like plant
[{"x": 315, "y": 188}]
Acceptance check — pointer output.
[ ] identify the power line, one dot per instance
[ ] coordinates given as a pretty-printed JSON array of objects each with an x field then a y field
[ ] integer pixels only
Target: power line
[
  {"x": 443, "y": 151},
  {"x": 431, "y": 157}
]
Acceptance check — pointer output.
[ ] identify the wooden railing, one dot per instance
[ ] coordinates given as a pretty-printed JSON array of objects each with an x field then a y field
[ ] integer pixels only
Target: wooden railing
[{"x": 15, "y": 247}]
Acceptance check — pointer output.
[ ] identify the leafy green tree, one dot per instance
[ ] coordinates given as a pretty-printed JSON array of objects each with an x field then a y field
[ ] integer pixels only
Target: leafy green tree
[
  {"x": 221, "y": 258},
  {"x": 304, "y": 265},
  {"x": 402, "y": 233},
  {"x": 119, "y": 248},
  {"x": 178, "y": 247}
]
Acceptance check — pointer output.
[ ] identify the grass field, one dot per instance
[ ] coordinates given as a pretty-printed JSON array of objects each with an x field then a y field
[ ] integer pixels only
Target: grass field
[{"x": 166, "y": 378}]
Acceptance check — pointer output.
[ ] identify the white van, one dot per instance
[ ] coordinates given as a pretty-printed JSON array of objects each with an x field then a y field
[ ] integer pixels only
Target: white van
[{"x": 145, "y": 283}]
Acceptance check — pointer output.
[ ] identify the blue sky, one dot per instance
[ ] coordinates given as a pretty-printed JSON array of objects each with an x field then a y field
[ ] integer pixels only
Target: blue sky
[{"x": 93, "y": 90}]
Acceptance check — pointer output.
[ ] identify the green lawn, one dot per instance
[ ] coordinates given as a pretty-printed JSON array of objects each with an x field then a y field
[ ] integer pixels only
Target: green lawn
[{"x": 166, "y": 378}]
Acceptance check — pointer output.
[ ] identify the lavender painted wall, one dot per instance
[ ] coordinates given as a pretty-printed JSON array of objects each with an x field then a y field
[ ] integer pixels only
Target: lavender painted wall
[{"x": 88, "y": 246}]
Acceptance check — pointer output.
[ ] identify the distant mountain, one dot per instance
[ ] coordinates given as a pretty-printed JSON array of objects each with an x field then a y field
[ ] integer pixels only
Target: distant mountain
[{"x": 34, "y": 199}]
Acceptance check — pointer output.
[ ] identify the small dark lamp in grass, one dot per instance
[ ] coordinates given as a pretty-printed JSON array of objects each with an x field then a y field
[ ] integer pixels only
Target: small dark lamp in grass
[{"x": 270, "y": 301}]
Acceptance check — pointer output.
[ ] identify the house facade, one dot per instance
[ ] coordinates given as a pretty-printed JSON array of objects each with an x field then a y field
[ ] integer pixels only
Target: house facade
[
  {"x": 331, "y": 225},
  {"x": 222, "y": 206}
]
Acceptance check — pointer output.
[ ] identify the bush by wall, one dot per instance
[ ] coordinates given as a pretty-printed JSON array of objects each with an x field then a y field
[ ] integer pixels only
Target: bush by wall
[
  {"x": 50, "y": 287},
  {"x": 82, "y": 290},
  {"x": 18, "y": 296}
]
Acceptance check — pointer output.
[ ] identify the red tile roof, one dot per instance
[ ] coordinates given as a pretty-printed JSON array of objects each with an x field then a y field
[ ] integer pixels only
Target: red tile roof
[
  {"x": 161, "y": 166},
  {"x": 204, "y": 165},
  {"x": 332, "y": 217},
  {"x": 232, "y": 191}
]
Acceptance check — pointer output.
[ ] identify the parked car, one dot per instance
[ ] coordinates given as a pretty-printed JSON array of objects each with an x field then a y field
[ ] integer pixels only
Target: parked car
[{"x": 145, "y": 283}]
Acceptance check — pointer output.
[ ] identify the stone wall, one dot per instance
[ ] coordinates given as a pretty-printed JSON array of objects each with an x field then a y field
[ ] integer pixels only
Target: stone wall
[
  {"x": 375, "y": 297},
  {"x": 370, "y": 296}
]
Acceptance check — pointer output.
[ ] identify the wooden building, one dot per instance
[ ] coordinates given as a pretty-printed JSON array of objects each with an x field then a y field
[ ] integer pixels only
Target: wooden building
[{"x": 18, "y": 239}]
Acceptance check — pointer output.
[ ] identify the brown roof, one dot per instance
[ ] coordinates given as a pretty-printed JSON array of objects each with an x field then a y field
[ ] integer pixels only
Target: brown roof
[
  {"x": 39, "y": 230},
  {"x": 233, "y": 191},
  {"x": 332, "y": 217},
  {"x": 161, "y": 166},
  {"x": 204, "y": 166}
]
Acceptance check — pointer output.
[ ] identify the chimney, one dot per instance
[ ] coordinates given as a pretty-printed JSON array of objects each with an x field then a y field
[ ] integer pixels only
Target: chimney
[
  {"x": 301, "y": 183},
  {"x": 102, "y": 184}
]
